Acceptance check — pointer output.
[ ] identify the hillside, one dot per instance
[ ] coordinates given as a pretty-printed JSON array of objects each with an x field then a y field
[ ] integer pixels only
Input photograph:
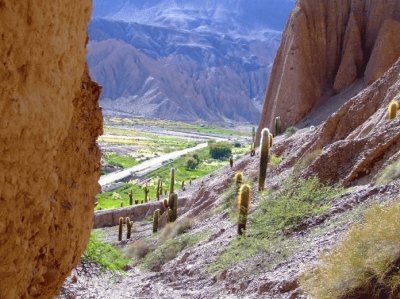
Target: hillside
[{"x": 185, "y": 60}]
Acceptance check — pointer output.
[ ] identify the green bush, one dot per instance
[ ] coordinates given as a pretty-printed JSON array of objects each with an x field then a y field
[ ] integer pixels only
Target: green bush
[
  {"x": 390, "y": 173},
  {"x": 290, "y": 131},
  {"x": 191, "y": 163},
  {"x": 105, "y": 255},
  {"x": 220, "y": 150}
]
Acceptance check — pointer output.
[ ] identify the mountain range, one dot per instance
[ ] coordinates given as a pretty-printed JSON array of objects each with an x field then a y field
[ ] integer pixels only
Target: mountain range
[{"x": 185, "y": 60}]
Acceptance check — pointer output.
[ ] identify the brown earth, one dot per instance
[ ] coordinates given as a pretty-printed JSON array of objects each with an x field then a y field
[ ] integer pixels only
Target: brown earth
[
  {"x": 49, "y": 160},
  {"x": 323, "y": 53}
]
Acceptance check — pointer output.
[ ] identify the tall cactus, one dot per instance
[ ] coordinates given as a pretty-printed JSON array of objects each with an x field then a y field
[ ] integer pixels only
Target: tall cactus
[
  {"x": 156, "y": 217},
  {"x": 172, "y": 207},
  {"x": 183, "y": 186},
  {"x": 278, "y": 126},
  {"x": 238, "y": 181},
  {"x": 271, "y": 140},
  {"x": 231, "y": 161},
  {"x": 172, "y": 181},
  {"x": 130, "y": 198},
  {"x": 264, "y": 157},
  {"x": 121, "y": 221},
  {"x": 146, "y": 193},
  {"x": 243, "y": 204},
  {"x": 253, "y": 150},
  {"x": 253, "y": 134},
  {"x": 128, "y": 227},
  {"x": 392, "y": 109}
]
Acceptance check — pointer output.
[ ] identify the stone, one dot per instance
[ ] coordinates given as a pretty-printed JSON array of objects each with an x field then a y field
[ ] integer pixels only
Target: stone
[{"x": 49, "y": 122}]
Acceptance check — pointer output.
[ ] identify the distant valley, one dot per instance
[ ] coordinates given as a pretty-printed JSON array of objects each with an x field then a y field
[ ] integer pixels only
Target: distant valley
[{"x": 197, "y": 61}]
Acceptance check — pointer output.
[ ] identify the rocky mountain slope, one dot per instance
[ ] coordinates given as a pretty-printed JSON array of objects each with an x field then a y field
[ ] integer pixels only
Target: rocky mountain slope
[
  {"x": 345, "y": 138},
  {"x": 329, "y": 57},
  {"x": 186, "y": 60}
]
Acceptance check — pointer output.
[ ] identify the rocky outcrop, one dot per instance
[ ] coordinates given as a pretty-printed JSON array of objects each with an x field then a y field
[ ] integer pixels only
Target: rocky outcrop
[
  {"x": 326, "y": 47},
  {"x": 356, "y": 142},
  {"x": 49, "y": 160}
]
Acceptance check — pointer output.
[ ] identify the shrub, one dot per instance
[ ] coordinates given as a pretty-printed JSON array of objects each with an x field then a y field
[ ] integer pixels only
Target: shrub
[
  {"x": 290, "y": 131},
  {"x": 169, "y": 250},
  {"x": 237, "y": 144},
  {"x": 138, "y": 249},
  {"x": 191, "y": 164},
  {"x": 105, "y": 255},
  {"x": 173, "y": 229},
  {"x": 390, "y": 173},
  {"x": 220, "y": 150},
  {"x": 365, "y": 264}
]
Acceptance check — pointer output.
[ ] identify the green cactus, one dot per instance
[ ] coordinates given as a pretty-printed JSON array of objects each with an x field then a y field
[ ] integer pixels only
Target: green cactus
[
  {"x": 243, "y": 204},
  {"x": 122, "y": 204},
  {"x": 130, "y": 198},
  {"x": 253, "y": 150},
  {"x": 165, "y": 203},
  {"x": 158, "y": 194},
  {"x": 128, "y": 227},
  {"x": 190, "y": 182},
  {"x": 183, "y": 185},
  {"x": 156, "y": 217},
  {"x": 278, "y": 126},
  {"x": 173, "y": 206},
  {"x": 392, "y": 109},
  {"x": 231, "y": 161},
  {"x": 271, "y": 140},
  {"x": 161, "y": 187},
  {"x": 264, "y": 157},
  {"x": 146, "y": 193},
  {"x": 158, "y": 184},
  {"x": 253, "y": 135},
  {"x": 121, "y": 221},
  {"x": 238, "y": 181},
  {"x": 136, "y": 201},
  {"x": 172, "y": 181}
]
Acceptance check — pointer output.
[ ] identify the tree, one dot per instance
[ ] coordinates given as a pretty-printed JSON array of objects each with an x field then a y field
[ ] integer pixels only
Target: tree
[{"x": 220, "y": 150}]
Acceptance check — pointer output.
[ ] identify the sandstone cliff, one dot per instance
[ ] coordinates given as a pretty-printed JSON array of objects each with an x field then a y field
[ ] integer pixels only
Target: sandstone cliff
[
  {"x": 49, "y": 160},
  {"x": 327, "y": 46}
]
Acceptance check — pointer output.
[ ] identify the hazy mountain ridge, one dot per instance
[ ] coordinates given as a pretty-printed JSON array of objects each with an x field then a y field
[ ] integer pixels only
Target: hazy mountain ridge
[{"x": 191, "y": 65}]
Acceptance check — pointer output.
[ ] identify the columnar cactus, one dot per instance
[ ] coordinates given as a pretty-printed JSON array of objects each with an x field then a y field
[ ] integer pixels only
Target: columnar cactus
[
  {"x": 156, "y": 217},
  {"x": 253, "y": 150},
  {"x": 183, "y": 185},
  {"x": 121, "y": 221},
  {"x": 278, "y": 126},
  {"x": 243, "y": 204},
  {"x": 136, "y": 201},
  {"x": 128, "y": 227},
  {"x": 253, "y": 135},
  {"x": 231, "y": 161},
  {"x": 122, "y": 204},
  {"x": 392, "y": 109},
  {"x": 165, "y": 203},
  {"x": 190, "y": 182},
  {"x": 161, "y": 187},
  {"x": 130, "y": 198},
  {"x": 146, "y": 193},
  {"x": 172, "y": 181},
  {"x": 158, "y": 194},
  {"x": 264, "y": 157},
  {"x": 271, "y": 140},
  {"x": 238, "y": 181},
  {"x": 173, "y": 206}
]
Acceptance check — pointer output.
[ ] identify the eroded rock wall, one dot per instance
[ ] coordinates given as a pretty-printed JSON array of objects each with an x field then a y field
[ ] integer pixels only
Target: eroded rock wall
[
  {"x": 49, "y": 160},
  {"x": 327, "y": 45}
]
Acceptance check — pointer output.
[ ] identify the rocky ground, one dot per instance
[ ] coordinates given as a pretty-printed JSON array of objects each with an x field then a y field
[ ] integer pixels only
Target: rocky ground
[{"x": 268, "y": 276}]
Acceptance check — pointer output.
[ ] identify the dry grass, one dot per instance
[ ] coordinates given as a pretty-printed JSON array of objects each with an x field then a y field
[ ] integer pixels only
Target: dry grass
[
  {"x": 173, "y": 229},
  {"x": 389, "y": 174},
  {"x": 364, "y": 264}
]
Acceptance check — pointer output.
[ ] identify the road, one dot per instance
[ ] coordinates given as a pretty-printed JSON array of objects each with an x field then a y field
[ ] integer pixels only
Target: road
[{"x": 146, "y": 166}]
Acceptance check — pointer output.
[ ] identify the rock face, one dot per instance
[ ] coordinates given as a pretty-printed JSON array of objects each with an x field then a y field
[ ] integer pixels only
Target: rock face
[
  {"x": 326, "y": 47},
  {"x": 49, "y": 160}
]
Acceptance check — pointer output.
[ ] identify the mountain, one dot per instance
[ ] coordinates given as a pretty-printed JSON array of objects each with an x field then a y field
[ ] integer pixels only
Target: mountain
[{"x": 185, "y": 60}]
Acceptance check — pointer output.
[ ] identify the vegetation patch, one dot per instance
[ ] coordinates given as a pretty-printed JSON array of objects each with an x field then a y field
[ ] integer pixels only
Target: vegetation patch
[
  {"x": 169, "y": 250},
  {"x": 389, "y": 174},
  {"x": 114, "y": 159},
  {"x": 277, "y": 213},
  {"x": 103, "y": 254},
  {"x": 365, "y": 264},
  {"x": 220, "y": 150},
  {"x": 290, "y": 131}
]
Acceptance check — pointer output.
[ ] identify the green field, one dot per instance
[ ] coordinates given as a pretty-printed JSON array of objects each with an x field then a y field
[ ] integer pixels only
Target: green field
[
  {"x": 108, "y": 200},
  {"x": 180, "y": 126}
]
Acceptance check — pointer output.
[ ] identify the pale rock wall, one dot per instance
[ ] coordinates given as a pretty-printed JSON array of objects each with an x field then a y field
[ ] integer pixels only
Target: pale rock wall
[
  {"x": 327, "y": 45},
  {"x": 49, "y": 160}
]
